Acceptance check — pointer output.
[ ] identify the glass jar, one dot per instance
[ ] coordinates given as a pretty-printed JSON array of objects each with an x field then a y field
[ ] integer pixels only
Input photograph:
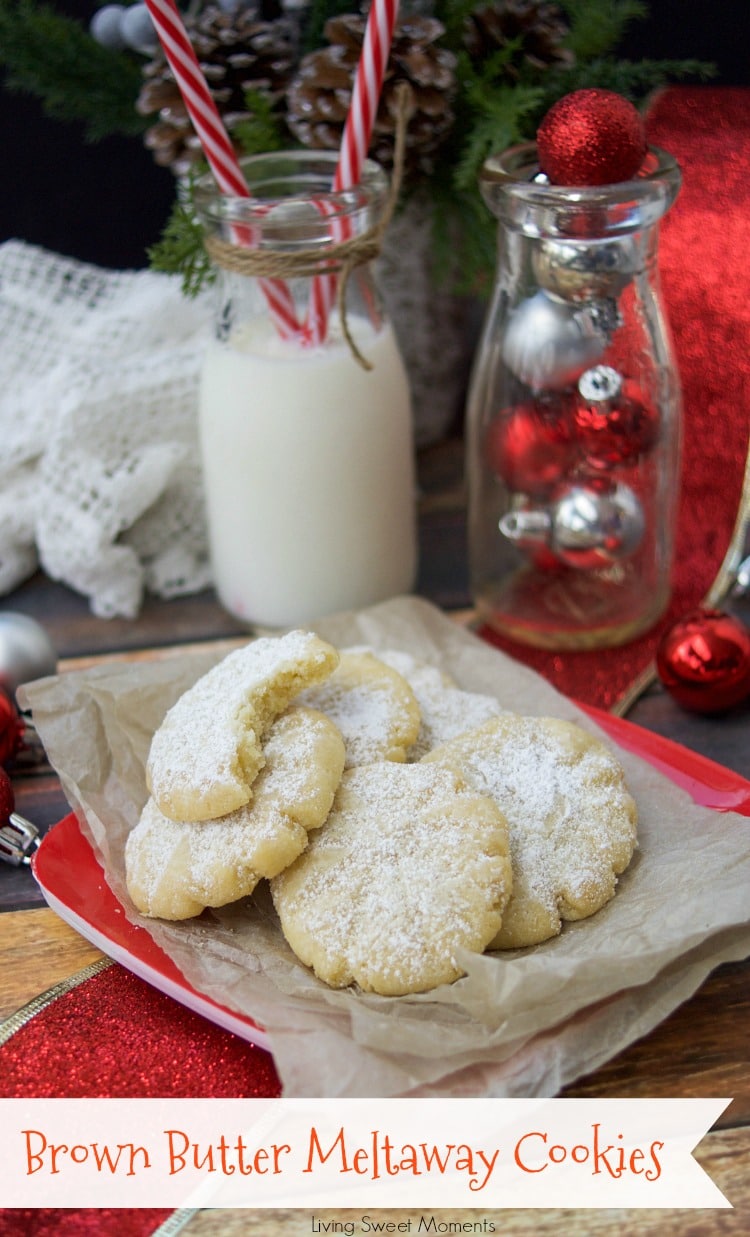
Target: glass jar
[
  {"x": 305, "y": 433},
  {"x": 573, "y": 422}
]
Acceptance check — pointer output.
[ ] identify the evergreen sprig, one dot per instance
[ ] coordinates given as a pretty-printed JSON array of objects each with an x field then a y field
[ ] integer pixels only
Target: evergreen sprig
[
  {"x": 180, "y": 250},
  {"x": 263, "y": 130},
  {"x": 598, "y": 26},
  {"x": 636, "y": 80},
  {"x": 498, "y": 114},
  {"x": 56, "y": 59}
]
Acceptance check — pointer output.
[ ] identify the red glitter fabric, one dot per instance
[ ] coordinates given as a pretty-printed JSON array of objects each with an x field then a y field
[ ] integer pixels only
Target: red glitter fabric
[
  {"x": 56, "y": 1222},
  {"x": 114, "y": 1036},
  {"x": 130, "y": 1041},
  {"x": 706, "y": 292}
]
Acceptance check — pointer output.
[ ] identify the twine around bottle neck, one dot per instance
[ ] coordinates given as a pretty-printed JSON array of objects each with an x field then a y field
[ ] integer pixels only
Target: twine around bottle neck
[{"x": 340, "y": 258}]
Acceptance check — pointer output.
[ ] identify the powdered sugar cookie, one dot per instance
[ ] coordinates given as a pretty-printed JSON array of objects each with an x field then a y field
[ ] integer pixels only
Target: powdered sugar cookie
[
  {"x": 372, "y": 705},
  {"x": 571, "y": 819},
  {"x": 448, "y": 713},
  {"x": 445, "y": 710},
  {"x": 409, "y": 868},
  {"x": 419, "y": 674},
  {"x": 176, "y": 868},
  {"x": 207, "y": 751}
]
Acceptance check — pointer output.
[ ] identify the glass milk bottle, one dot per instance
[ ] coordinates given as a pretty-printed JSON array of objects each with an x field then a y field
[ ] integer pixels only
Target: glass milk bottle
[
  {"x": 573, "y": 423},
  {"x": 305, "y": 430}
]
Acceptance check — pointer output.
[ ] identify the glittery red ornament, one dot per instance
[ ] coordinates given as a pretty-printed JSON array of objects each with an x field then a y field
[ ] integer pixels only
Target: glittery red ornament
[
  {"x": 7, "y": 798},
  {"x": 11, "y": 729},
  {"x": 591, "y": 137},
  {"x": 704, "y": 661},
  {"x": 531, "y": 446},
  {"x": 613, "y": 422}
]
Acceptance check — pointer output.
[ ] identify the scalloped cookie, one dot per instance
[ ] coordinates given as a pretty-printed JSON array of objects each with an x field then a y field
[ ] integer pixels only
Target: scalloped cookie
[
  {"x": 207, "y": 751},
  {"x": 445, "y": 709},
  {"x": 571, "y": 819},
  {"x": 176, "y": 868},
  {"x": 372, "y": 705},
  {"x": 409, "y": 868}
]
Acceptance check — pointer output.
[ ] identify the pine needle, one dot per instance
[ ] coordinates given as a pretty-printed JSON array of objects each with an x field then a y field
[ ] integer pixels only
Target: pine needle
[
  {"x": 180, "y": 251},
  {"x": 56, "y": 59}
]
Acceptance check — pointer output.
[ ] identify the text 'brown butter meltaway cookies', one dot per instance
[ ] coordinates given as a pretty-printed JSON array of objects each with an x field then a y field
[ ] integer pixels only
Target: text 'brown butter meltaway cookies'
[
  {"x": 410, "y": 868},
  {"x": 208, "y": 750},
  {"x": 571, "y": 819},
  {"x": 177, "y": 868}
]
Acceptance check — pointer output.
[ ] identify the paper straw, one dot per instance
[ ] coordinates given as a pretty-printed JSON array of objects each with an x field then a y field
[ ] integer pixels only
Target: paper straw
[
  {"x": 214, "y": 140},
  {"x": 368, "y": 83}
]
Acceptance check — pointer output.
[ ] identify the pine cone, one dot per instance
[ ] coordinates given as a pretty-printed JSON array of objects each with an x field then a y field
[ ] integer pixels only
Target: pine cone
[
  {"x": 237, "y": 53},
  {"x": 537, "y": 26},
  {"x": 320, "y": 93}
]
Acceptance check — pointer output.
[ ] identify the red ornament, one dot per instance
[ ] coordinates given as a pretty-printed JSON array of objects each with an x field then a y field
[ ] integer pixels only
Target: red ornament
[
  {"x": 613, "y": 422},
  {"x": 11, "y": 729},
  {"x": 531, "y": 446},
  {"x": 7, "y": 798},
  {"x": 704, "y": 661},
  {"x": 591, "y": 137}
]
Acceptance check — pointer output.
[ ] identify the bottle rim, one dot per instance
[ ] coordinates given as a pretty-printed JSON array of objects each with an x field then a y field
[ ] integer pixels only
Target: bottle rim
[
  {"x": 517, "y": 169},
  {"x": 283, "y": 178},
  {"x": 517, "y": 192}
]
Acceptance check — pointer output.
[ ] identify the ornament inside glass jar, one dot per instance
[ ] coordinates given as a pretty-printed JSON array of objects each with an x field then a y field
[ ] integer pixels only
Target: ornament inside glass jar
[
  {"x": 584, "y": 526},
  {"x": 532, "y": 446},
  {"x": 576, "y": 292},
  {"x": 613, "y": 423}
]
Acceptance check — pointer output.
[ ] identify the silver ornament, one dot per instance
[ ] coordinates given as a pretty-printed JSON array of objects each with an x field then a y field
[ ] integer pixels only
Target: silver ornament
[
  {"x": 584, "y": 271},
  {"x": 26, "y": 651},
  {"x": 600, "y": 385},
  {"x": 584, "y": 526},
  {"x": 138, "y": 29},
  {"x": 548, "y": 343},
  {"x": 106, "y": 27}
]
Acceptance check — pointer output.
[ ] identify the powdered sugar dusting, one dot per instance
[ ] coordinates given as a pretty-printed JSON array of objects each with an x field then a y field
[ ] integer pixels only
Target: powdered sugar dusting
[
  {"x": 571, "y": 819},
  {"x": 372, "y": 705},
  {"x": 446, "y": 710},
  {"x": 176, "y": 868},
  {"x": 207, "y": 750},
  {"x": 409, "y": 868}
]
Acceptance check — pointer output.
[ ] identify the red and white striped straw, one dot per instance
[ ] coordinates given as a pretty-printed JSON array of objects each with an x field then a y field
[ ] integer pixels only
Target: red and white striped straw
[
  {"x": 355, "y": 142},
  {"x": 214, "y": 139},
  {"x": 368, "y": 84}
]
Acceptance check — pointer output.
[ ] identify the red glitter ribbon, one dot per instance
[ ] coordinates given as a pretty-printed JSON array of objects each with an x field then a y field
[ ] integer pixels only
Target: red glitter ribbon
[
  {"x": 707, "y": 299},
  {"x": 114, "y": 1036}
]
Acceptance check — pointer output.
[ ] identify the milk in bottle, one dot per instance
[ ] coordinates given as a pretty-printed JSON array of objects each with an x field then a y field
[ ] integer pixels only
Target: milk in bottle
[{"x": 306, "y": 452}]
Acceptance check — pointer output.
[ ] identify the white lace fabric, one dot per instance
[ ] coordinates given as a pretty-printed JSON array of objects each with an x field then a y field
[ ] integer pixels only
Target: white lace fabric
[{"x": 99, "y": 463}]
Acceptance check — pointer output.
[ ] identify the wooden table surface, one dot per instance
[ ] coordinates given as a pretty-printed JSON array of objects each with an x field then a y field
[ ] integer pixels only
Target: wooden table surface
[{"x": 701, "y": 1050}]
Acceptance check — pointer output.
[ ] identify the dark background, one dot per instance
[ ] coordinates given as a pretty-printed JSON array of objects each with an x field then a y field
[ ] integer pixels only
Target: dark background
[{"x": 106, "y": 203}]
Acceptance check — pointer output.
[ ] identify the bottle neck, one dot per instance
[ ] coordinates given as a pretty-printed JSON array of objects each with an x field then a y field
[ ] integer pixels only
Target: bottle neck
[{"x": 524, "y": 202}]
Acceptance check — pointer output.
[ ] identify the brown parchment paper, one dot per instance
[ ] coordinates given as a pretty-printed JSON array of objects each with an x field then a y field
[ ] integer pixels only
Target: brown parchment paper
[{"x": 518, "y": 1024}]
